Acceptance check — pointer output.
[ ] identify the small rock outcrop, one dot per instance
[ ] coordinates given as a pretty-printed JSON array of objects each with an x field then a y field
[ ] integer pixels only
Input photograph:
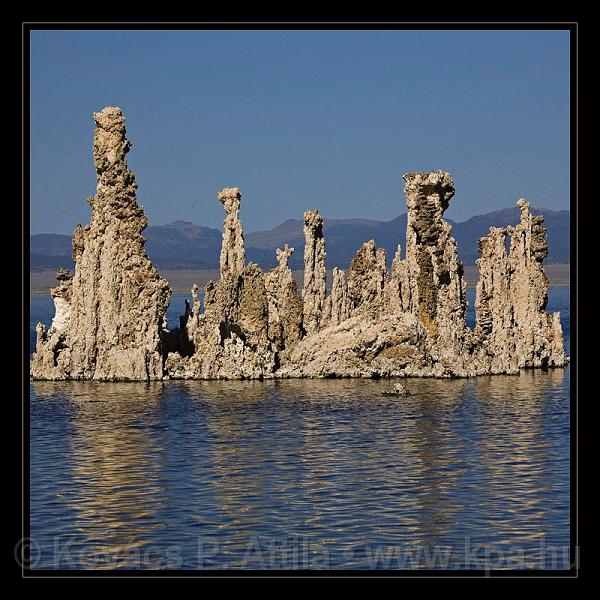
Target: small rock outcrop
[
  {"x": 413, "y": 324},
  {"x": 397, "y": 290},
  {"x": 61, "y": 295},
  {"x": 285, "y": 306},
  {"x": 367, "y": 278},
  {"x": 51, "y": 344},
  {"x": 514, "y": 329},
  {"x": 109, "y": 315},
  {"x": 340, "y": 305},
  {"x": 110, "y": 321},
  {"x": 397, "y": 390}
]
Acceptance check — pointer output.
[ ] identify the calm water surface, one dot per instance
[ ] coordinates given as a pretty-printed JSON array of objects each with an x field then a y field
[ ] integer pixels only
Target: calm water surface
[{"x": 301, "y": 474}]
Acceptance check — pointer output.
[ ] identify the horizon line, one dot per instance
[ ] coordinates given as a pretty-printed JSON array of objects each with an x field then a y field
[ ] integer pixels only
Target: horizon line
[{"x": 326, "y": 219}]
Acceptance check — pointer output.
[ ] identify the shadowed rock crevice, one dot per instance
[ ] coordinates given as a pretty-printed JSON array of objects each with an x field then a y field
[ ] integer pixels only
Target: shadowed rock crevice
[{"x": 110, "y": 321}]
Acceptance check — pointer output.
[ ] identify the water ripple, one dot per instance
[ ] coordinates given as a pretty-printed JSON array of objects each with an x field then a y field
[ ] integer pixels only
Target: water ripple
[{"x": 124, "y": 473}]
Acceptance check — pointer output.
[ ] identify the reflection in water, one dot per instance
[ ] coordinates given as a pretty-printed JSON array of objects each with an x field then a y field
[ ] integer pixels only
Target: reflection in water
[
  {"x": 113, "y": 491},
  {"x": 213, "y": 474},
  {"x": 522, "y": 494}
]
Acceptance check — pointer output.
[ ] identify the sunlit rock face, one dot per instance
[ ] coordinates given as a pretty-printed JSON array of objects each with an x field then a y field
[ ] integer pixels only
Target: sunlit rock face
[
  {"x": 367, "y": 277},
  {"x": 437, "y": 295},
  {"x": 513, "y": 328},
  {"x": 232, "y": 249},
  {"x": 285, "y": 306},
  {"x": 339, "y": 305},
  {"x": 315, "y": 275},
  {"x": 109, "y": 316}
]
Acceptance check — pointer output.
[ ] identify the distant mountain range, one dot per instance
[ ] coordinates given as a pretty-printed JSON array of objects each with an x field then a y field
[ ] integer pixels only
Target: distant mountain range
[{"x": 183, "y": 245}]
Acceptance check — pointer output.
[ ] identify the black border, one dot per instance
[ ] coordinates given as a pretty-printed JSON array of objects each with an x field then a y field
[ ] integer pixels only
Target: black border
[{"x": 22, "y": 532}]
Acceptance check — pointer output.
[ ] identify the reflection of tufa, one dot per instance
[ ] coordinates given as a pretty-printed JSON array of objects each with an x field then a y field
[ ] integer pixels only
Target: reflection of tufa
[{"x": 398, "y": 390}]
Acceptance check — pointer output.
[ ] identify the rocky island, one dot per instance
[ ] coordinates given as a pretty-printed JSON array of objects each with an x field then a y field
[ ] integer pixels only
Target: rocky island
[{"x": 110, "y": 322}]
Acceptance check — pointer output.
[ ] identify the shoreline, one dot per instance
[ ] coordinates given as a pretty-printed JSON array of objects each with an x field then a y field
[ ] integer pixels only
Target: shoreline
[
  {"x": 276, "y": 378},
  {"x": 181, "y": 281}
]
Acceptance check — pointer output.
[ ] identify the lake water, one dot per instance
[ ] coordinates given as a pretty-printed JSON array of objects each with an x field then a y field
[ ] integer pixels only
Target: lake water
[{"x": 301, "y": 474}]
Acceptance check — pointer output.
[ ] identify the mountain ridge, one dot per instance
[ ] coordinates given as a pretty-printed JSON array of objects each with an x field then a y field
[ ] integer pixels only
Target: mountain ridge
[{"x": 185, "y": 245}]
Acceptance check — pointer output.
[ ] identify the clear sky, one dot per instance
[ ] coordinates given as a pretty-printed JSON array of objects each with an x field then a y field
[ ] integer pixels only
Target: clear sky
[{"x": 301, "y": 119}]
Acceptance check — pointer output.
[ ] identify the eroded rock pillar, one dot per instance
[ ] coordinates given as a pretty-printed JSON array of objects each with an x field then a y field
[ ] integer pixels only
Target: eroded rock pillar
[
  {"x": 112, "y": 323},
  {"x": 285, "y": 307},
  {"x": 366, "y": 279},
  {"x": 437, "y": 288},
  {"x": 512, "y": 295},
  {"x": 340, "y": 303},
  {"x": 315, "y": 275},
  {"x": 232, "y": 248}
]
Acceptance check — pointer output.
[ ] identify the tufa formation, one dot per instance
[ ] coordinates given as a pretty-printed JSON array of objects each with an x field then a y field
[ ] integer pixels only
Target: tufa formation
[{"x": 110, "y": 323}]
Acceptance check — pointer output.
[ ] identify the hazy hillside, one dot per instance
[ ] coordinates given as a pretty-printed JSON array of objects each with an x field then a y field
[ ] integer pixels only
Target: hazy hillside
[
  {"x": 183, "y": 245},
  {"x": 50, "y": 244}
]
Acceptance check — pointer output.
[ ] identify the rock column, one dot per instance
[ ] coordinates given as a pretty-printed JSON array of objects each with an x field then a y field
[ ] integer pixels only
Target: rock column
[
  {"x": 232, "y": 249},
  {"x": 340, "y": 303},
  {"x": 512, "y": 294},
  {"x": 437, "y": 288},
  {"x": 366, "y": 279},
  {"x": 397, "y": 290},
  {"x": 285, "y": 307},
  {"x": 113, "y": 319},
  {"x": 315, "y": 282}
]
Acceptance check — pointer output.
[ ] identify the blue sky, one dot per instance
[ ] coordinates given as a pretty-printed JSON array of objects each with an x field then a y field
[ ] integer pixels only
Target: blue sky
[{"x": 301, "y": 119}]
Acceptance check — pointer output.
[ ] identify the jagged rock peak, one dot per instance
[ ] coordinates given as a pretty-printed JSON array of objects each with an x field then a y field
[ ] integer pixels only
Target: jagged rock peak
[
  {"x": 285, "y": 307},
  {"x": 232, "y": 259},
  {"x": 110, "y": 314},
  {"x": 313, "y": 220},
  {"x": 534, "y": 234},
  {"x": 435, "y": 186},
  {"x": 511, "y": 298},
  {"x": 341, "y": 307},
  {"x": 437, "y": 289},
  {"x": 116, "y": 185},
  {"x": 64, "y": 274},
  {"x": 367, "y": 277},
  {"x": 230, "y": 199},
  {"x": 283, "y": 256}
]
